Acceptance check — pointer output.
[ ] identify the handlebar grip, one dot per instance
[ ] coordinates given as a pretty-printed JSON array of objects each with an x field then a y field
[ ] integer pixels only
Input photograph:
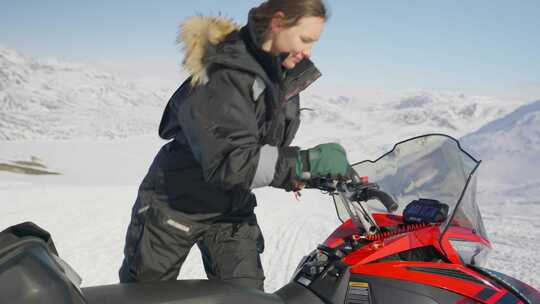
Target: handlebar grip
[{"x": 384, "y": 198}]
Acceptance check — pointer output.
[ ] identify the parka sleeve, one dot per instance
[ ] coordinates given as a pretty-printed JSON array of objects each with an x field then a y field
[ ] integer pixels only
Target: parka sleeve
[{"x": 221, "y": 126}]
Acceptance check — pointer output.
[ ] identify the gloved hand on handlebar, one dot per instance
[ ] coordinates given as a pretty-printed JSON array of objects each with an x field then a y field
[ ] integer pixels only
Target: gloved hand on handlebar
[{"x": 322, "y": 161}]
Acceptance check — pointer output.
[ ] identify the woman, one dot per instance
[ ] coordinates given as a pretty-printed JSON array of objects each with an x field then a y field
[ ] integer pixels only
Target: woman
[{"x": 231, "y": 124}]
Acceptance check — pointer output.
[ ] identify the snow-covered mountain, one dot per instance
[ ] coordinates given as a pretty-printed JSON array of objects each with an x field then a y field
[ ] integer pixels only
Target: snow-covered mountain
[
  {"x": 510, "y": 150},
  {"x": 509, "y": 187},
  {"x": 52, "y": 99},
  {"x": 369, "y": 127},
  {"x": 516, "y": 134}
]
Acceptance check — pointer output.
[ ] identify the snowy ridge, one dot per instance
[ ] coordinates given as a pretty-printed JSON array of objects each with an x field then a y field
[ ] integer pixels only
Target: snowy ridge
[
  {"x": 51, "y": 99},
  {"x": 369, "y": 127},
  {"x": 509, "y": 188},
  {"x": 516, "y": 133},
  {"x": 510, "y": 149}
]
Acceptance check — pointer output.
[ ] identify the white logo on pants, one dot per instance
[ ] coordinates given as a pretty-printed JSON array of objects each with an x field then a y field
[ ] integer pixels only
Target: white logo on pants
[{"x": 178, "y": 225}]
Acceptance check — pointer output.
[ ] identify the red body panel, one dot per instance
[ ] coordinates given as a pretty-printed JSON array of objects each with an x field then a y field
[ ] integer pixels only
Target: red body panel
[
  {"x": 428, "y": 236},
  {"x": 399, "y": 271},
  {"x": 347, "y": 228},
  {"x": 459, "y": 233},
  {"x": 343, "y": 231},
  {"x": 364, "y": 259},
  {"x": 379, "y": 249}
]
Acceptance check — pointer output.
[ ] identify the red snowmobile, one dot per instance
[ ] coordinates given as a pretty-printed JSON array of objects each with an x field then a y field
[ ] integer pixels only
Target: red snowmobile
[{"x": 411, "y": 233}]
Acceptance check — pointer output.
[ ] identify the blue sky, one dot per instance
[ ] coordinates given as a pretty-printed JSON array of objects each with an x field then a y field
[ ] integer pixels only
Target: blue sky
[{"x": 477, "y": 47}]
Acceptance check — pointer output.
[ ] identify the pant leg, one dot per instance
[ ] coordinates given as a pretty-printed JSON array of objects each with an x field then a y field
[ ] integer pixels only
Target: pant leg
[
  {"x": 157, "y": 242},
  {"x": 134, "y": 234},
  {"x": 231, "y": 252}
]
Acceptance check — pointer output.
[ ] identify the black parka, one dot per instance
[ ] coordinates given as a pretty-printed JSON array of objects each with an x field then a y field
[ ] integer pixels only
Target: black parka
[{"x": 231, "y": 129}]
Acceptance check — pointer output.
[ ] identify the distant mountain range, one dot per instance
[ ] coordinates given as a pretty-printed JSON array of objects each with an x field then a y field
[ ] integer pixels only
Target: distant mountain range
[
  {"x": 517, "y": 133},
  {"x": 51, "y": 99},
  {"x": 368, "y": 128},
  {"x": 510, "y": 150}
]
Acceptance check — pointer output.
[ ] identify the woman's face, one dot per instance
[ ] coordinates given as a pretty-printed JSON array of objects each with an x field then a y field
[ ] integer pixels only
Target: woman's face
[{"x": 297, "y": 40}]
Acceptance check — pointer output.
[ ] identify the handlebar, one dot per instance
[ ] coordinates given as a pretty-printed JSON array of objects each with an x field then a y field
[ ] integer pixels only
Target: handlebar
[
  {"x": 382, "y": 197},
  {"x": 356, "y": 190},
  {"x": 360, "y": 191}
]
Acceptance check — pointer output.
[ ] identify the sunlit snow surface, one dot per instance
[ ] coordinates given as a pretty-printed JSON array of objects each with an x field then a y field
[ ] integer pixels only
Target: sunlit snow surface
[
  {"x": 87, "y": 211},
  {"x": 96, "y": 144}
]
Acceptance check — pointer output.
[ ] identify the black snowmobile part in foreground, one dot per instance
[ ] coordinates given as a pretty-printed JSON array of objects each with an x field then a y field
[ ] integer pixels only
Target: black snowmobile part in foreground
[
  {"x": 194, "y": 292},
  {"x": 29, "y": 273},
  {"x": 181, "y": 292},
  {"x": 386, "y": 290}
]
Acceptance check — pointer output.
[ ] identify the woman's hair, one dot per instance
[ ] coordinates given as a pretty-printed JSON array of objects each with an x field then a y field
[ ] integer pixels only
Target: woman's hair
[{"x": 293, "y": 10}]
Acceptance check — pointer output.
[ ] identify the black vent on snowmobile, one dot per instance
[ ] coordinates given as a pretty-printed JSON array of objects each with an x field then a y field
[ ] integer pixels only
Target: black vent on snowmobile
[
  {"x": 446, "y": 272},
  {"x": 420, "y": 254}
]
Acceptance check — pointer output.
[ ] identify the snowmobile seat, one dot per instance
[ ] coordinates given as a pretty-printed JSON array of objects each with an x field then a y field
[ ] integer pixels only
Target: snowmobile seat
[
  {"x": 31, "y": 272},
  {"x": 177, "y": 292}
]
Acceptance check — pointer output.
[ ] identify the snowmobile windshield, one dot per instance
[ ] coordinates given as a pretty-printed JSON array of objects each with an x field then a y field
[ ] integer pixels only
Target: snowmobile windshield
[{"x": 431, "y": 167}]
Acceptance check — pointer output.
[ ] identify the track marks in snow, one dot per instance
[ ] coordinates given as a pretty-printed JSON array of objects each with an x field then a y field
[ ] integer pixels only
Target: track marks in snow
[{"x": 514, "y": 230}]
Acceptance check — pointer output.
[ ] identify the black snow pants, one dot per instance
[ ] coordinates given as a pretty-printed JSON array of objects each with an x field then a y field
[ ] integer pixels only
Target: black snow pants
[{"x": 159, "y": 239}]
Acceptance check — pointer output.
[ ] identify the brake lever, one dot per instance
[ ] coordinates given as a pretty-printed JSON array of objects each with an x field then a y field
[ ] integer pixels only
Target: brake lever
[
  {"x": 385, "y": 199},
  {"x": 323, "y": 184},
  {"x": 366, "y": 191}
]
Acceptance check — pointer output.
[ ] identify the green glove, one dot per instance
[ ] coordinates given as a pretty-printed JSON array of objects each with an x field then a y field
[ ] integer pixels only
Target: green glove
[{"x": 323, "y": 160}]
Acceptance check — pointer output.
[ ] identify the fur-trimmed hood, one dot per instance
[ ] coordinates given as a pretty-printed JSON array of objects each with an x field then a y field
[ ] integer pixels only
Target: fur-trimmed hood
[
  {"x": 218, "y": 40},
  {"x": 196, "y": 35}
]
